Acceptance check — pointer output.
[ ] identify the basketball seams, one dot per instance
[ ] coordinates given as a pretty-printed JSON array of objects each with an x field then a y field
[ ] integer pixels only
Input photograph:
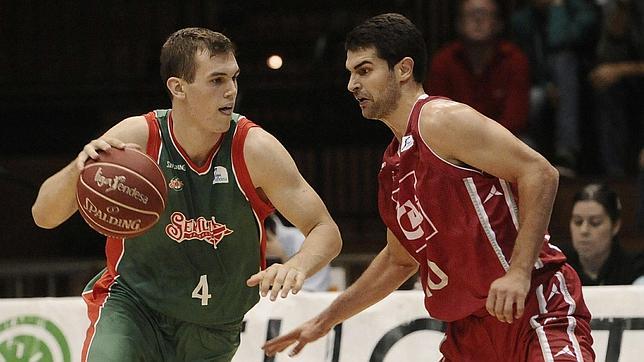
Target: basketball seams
[
  {"x": 115, "y": 202},
  {"x": 139, "y": 192},
  {"x": 135, "y": 173},
  {"x": 107, "y": 231},
  {"x": 156, "y": 169}
]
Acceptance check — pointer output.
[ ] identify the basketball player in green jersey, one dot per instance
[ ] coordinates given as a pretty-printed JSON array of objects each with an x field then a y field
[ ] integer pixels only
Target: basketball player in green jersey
[{"x": 180, "y": 291}]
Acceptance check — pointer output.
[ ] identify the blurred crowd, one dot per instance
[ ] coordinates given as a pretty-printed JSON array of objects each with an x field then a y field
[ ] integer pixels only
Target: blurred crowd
[{"x": 565, "y": 76}]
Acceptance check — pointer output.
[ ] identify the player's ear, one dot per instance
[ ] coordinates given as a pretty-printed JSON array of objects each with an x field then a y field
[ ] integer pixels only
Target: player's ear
[
  {"x": 405, "y": 68},
  {"x": 175, "y": 86}
]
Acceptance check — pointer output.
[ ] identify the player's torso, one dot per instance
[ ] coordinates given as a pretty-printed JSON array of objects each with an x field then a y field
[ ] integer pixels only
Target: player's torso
[
  {"x": 460, "y": 224},
  {"x": 193, "y": 264}
]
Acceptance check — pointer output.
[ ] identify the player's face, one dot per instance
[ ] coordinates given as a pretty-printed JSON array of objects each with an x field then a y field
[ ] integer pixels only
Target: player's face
[
  {"x": 372, "y": 83},
  {"x": 211, "y": 96},
  {"x": 592, "y": 229}
]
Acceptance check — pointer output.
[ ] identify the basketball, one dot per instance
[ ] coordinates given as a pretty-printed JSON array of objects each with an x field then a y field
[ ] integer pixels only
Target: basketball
[{"x": 122, "y": 194}]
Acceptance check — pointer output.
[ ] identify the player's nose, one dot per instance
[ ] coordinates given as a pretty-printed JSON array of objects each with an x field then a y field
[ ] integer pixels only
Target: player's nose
[{"x": 353, "y": 85}]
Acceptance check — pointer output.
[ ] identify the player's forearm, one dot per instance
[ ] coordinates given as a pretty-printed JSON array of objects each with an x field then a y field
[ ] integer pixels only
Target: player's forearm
[
  {"x": 321, "y": 245},
  {"x": 383, "y": 276},
  {"x": 537, "y": 190},
  {"x": 56, "y": 200}
]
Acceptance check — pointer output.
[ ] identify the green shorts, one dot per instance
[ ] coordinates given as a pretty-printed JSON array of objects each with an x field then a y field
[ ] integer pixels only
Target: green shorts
[{"x": 124, "y": 329}]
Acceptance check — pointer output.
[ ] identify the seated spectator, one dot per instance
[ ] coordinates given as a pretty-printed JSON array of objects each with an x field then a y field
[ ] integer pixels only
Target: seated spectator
[
  {"x": 551, "y": 32},
  {"x": 482, "y": 70},
  {"x": 282, "y": 242},
  {"x": 596, "y": 254},
  {"x": 618, "y": 82}
]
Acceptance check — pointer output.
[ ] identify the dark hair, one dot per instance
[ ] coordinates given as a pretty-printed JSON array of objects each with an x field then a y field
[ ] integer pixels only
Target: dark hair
[
  {"x": 178, "y": 51},
  {"x": 394, "y": 37},
  {"x": 603, "y": 195}
]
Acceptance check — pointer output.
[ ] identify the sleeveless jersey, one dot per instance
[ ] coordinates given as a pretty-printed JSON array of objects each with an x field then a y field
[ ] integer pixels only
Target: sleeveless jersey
[
  {"x": 459, "y": 223},
  {"x": 194, "y": 263}
]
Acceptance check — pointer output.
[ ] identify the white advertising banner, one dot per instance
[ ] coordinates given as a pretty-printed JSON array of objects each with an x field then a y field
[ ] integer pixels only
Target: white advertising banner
[{"x": 396, "y": 329}]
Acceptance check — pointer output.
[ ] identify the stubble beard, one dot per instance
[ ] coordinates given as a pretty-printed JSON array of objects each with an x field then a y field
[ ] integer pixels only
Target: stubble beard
[{"x": 388, "y": 101}]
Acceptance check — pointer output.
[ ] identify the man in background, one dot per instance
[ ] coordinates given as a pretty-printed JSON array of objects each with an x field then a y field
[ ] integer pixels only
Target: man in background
[{"x": 488, "y": 73}]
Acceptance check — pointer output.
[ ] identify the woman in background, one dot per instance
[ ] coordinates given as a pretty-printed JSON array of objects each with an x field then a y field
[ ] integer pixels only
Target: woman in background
[{"x": 596, "y": 253}]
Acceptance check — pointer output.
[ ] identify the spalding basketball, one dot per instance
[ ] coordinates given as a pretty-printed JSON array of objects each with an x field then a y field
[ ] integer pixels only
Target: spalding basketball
[{"x": 122, "y": 194}]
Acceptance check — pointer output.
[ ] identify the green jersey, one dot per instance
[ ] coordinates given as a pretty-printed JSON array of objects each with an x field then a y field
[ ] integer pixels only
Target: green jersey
[{"x": 194, "y": 263}]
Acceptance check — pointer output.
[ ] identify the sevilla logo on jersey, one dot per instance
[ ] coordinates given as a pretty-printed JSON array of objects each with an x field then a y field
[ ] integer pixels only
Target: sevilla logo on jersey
[
  {"x": 210, "y": 231},
  {"x": 412, "y": 219}
]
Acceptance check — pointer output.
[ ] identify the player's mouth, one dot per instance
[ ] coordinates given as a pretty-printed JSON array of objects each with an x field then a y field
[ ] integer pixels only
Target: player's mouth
[
  {"x": 362, "y": 101},
  {"x": 227, "y": 110}
]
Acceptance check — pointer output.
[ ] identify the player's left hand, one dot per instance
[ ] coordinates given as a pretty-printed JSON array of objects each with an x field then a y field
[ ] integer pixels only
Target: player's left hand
[
  {"x": 308, "y": 332},
  {"x": 506, "y": 299},
  {"x": 278, "y": 278}
]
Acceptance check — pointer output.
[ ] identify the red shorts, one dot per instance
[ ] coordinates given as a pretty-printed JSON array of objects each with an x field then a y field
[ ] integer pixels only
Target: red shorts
[{"x": 555, "y": 326}]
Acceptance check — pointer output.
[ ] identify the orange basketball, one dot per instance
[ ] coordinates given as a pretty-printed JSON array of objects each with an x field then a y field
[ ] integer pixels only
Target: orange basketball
[{"x": 122, "y": 194}]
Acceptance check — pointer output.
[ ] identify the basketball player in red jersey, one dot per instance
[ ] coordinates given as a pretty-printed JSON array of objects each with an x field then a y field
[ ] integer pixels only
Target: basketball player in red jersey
[{"x": 467, "y": 205}]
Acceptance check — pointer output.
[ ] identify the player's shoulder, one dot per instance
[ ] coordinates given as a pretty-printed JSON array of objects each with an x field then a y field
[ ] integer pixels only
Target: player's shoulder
[
  {"x": 134, "y": 122},
  {"x": 262, "y": 149},
  {"x": 448, "y": 120},
  {"x": 259, "y": 140},
  {"x": 131, "y": 129},
  {"x": 440, "y": 111}
]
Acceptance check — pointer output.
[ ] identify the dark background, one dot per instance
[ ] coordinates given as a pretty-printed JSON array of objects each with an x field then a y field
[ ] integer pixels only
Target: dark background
[{"x": 71, "y": 69}]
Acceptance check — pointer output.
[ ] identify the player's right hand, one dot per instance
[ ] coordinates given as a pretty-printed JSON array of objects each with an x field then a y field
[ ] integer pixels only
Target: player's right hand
[
  {"x": 278, "y": 279},
  {"x": 100, "y": 144},
  {"x": 307, "y": 332}
]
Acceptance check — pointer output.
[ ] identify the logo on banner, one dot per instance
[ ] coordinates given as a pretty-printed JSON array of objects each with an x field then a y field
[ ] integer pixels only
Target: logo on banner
[{"x": 31, "y": 338}]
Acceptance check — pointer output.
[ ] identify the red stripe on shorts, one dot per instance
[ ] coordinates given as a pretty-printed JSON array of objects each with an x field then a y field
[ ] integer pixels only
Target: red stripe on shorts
[{"x": 96, "y": 298}]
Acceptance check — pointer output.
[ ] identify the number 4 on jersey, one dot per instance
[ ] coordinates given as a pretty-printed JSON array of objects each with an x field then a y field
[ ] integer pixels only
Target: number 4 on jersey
[{"x": 201, "y": 290}]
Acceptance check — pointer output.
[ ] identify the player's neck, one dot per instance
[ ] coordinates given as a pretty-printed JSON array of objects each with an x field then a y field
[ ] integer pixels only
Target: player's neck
[
  {"x": 194, "y": 140},
  {"x": 398, "y": 120}
]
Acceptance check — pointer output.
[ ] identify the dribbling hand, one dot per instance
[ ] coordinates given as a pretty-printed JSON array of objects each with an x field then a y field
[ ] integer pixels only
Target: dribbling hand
[
  {"x": 91, "y": 149},
  {"x": 277, "y": 278}
]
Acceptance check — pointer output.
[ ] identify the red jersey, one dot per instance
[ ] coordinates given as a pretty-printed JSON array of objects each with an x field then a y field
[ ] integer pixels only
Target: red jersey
[{"x": 459, "y": 223}]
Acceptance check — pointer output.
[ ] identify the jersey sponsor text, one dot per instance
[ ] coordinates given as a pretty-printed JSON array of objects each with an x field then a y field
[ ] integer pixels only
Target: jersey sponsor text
[{"x": 210, "y": 231}]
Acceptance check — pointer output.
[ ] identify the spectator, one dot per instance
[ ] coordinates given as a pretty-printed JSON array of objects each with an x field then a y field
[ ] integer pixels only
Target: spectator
[
  {"x": 618, "y": 82},
  {"x": 596, "y": 253},
  {"x": 282, "y": 242},
  {"x": 551, "y": 32},
  {"x": 482, "y": 70}
]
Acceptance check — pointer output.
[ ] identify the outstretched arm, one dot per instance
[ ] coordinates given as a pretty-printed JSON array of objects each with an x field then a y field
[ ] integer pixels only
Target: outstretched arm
[
  {"x": 56, "y": 200},
  {"x": 461, "y": 135},
  {"x": 390, "y": 268},
  {"x": 276, "y": 176}
]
